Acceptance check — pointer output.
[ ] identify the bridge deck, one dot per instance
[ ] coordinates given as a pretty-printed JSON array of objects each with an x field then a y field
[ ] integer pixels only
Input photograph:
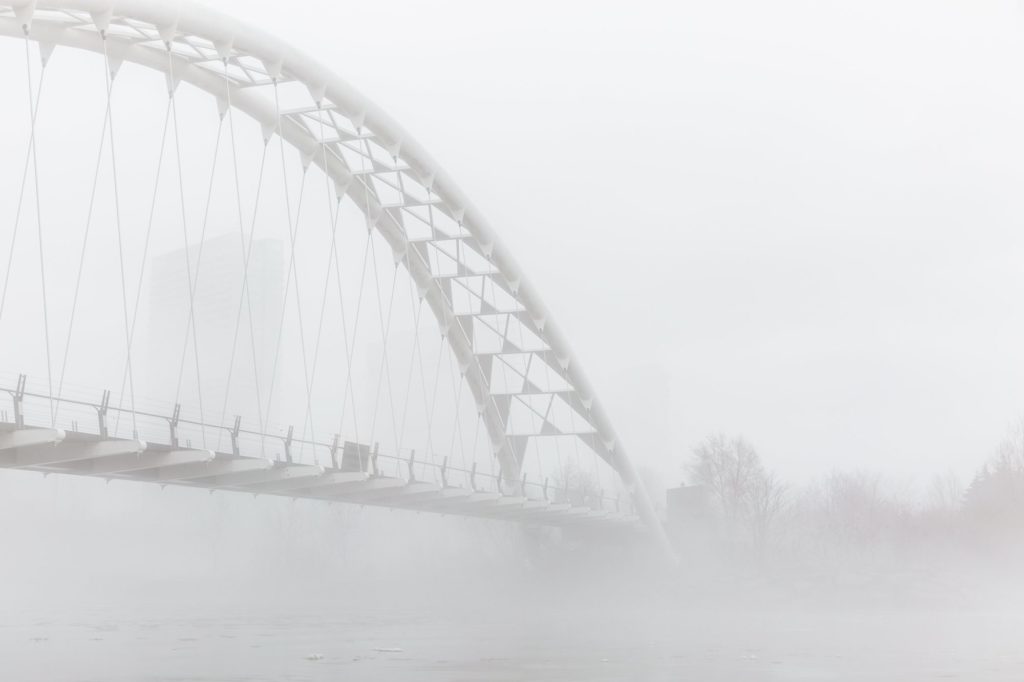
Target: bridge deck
[{"x": 52, "y": 450}]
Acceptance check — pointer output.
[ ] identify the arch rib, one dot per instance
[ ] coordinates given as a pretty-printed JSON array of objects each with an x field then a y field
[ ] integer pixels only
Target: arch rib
[{"x": 146, "y": 29}]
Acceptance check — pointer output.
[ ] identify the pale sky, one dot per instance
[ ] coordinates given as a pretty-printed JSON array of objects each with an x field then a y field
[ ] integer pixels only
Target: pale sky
[{"x": 797, "y": 221}]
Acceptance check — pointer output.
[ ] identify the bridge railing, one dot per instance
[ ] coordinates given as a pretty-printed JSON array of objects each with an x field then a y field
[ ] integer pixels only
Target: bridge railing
[{"x": 33, "y": 406}]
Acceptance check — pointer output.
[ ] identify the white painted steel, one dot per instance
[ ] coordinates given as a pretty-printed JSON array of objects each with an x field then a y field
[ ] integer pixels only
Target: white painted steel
[{"x": 141, "y": 31}]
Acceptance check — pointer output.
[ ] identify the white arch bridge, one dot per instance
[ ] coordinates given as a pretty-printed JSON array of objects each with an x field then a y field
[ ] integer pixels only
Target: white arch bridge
[{"x": 249, "y": 281}]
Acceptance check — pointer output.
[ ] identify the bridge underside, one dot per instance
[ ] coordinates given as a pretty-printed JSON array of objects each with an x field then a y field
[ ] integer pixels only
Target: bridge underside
[{"x": 48, "y": 450}]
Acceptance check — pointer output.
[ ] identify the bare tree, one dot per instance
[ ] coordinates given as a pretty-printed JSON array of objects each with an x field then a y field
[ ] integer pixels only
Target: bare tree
[
  {"x": 573, "y": 484},
  {"x": 857, "y": 510},
  {"x": 728, "y": 468},
  {"x": 750, "y": 498},
  {"x": 768, "y": 498},
  {"x": 994, "y": 502},
  {"x": 945, "y": 495}
]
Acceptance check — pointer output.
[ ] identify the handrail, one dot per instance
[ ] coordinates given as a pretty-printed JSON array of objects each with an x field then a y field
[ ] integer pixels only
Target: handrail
[{"x": 443, "y": 472}]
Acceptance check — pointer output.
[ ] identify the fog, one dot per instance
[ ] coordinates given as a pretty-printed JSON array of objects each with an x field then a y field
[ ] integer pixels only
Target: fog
[
  {"x": 782, "y": 239},
  {"x": 830, "y": 189}
]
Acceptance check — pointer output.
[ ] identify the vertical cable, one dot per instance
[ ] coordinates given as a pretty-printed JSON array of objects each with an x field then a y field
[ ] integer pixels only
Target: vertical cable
[
  {"x": 557, "y": 438},
  {"x": 351, "y": 346},
  {"x": 319, "y": 330},
  {"x": 334, "y": 209},
  {"x": 458, "y": 381},
  {"x": 34, "y": 108},
  {"x": 575, "y": 433},
  {"x": 199, "y": 256},
  {"x": 244, "y": 299},
  {"x": 293, "y": 235},
  {"x": 349, "y": 391},
  {"x": 120, "y": 236},
  {"x": 190, "y": 325},
  {"x": 142, "y": 269},
  {"x": 284, "y": 304},
  {"x": 503, "y": 363},
  {"x": 39, "y": 227},
  {"x": 533, "y": 411},
  {"x": 85, "y": 244},
  {"x": 429, "y": 404},
  {"x": 417, "y": 310},
  {"x": 385, "y": 366}
]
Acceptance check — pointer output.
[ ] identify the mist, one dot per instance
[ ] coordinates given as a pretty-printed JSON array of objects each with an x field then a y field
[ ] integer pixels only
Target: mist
[{"x": 782, "y": 241}]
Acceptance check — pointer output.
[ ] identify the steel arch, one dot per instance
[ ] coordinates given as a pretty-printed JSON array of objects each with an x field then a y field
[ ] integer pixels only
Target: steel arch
[{"x": 193, "y": 43}]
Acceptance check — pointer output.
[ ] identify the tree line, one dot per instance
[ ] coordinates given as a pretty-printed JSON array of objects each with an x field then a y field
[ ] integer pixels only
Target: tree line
[{"x": 747, "y": 510}]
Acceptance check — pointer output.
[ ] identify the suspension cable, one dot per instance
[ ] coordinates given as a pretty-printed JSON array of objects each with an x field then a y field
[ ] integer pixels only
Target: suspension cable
[
  {"x": 190, "y": 325},
  {"x": 291, "y": 274},
  {"x": 88, "y": 231},
  {"x": 349, "y": 388},
  {"x": 320, "y": 327},
  {"x": 418, "y": 309},
  {"x": 350, "y": 347},
  {"x": 287, "y": 291},
  {"x": 120, "y": 236},
  {"x": 572, "y": 426},
  {"x": 533, "y": 412},
  {"x": 429, "y": 404},
  {"x": 194, "y": 285},
  {"x": 500, "y": 357},
  {"x": 385, "y": 326},
  {"x": 458, "y": 381},
  {"x": 559, "y": 436},
  {"x": 142, "y": 273},
  {"x": 29, "y": 152},
  {"x": 39, "y": 226},
  {"x": 293, "y": 236},
  {"x": 244, "y": 299}
]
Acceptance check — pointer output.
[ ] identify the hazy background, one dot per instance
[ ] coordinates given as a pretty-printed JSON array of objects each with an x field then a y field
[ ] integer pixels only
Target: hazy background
[{"x": 795, "y": 220}]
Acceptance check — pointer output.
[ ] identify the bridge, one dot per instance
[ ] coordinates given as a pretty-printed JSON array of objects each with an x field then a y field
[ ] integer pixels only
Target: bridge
[
  {"x": 227, "y": 269},
  {"x": 349, "y": 472}
]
